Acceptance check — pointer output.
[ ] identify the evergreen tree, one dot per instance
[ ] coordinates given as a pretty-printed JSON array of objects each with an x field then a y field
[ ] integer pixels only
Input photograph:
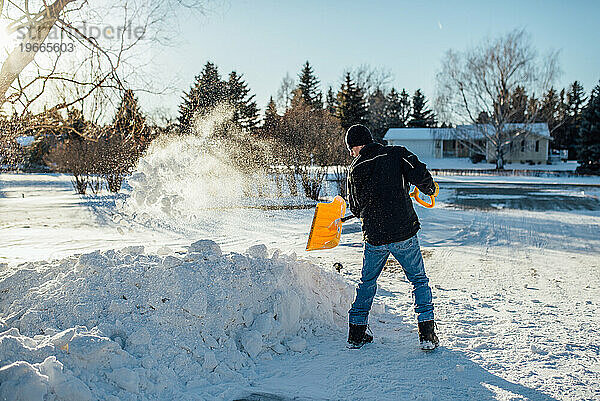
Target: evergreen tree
[
  {"x": 518, "y": 105},
  {"x": 561, "y": 126},
  {"x": 271, "y": 120},
  {"x": 120, "y": 148},
  {"x": 589, "y": 135},
  {"x": 377, "y": 118},
  {"x": 309, "y": 87},
  {"x": 405, "y": 107},
  {"x": 245, "y": 111},
  {"x": 208, "y": 91},
  {"x": 562, "y": 112},
  {"x": 549, "y": 109},
  {"x": 533, "y": 107},
  {"x": 331, "y": 101},
  {"x": 421, "y": 116},
  {"x": 351, "y": 104},
  {"x": 129, "y": 123},
  {"x": 398, "y": 108},
  {"x": 575, "y": 99},
  {"x": 568, "y": 118}
]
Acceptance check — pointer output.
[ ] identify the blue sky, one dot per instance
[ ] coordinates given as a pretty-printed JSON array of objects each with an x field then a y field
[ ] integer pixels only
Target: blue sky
[{"x": 265, "y": 39}]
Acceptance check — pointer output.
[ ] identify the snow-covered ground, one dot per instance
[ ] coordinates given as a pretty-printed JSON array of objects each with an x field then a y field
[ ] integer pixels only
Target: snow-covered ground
[{"x": 104, "y": 298}]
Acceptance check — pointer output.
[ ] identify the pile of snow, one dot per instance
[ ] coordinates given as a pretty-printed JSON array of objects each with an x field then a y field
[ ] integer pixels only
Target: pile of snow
[{"x": 122, "y": 324}]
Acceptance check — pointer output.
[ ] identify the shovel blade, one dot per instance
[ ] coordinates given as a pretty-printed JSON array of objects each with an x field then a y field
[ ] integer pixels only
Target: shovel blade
[{"x": 326, "y": 228}]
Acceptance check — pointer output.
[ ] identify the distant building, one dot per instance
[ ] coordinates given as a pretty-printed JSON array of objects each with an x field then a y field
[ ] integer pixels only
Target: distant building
[{"x": 438, "y": 143}]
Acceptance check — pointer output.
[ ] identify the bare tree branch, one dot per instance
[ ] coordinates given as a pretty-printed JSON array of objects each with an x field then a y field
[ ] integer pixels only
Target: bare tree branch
[{"x": 482, "y": 82}]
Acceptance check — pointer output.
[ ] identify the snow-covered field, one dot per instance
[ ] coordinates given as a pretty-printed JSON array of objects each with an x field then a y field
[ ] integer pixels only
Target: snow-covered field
[{"x": 149, "y": 296}]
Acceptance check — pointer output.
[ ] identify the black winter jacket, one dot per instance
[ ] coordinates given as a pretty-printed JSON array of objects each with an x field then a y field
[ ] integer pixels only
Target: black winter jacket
[{"x": 378, "y": 185}]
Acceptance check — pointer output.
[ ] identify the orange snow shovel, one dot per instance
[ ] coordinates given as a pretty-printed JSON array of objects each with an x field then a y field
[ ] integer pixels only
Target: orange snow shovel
[{"x": 326, "y": 228}]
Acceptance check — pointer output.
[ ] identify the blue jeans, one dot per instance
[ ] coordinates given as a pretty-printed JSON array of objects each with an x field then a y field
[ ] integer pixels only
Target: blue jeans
[{"x": 408, "y": 254}]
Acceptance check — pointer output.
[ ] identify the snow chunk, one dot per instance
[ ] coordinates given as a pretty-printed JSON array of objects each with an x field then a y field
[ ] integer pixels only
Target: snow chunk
[
  {"x": 171, "y": 261},
  {"x": 133, "y": 250},
  {"x": 65, "y": 386},
  {"x": 209, "y": 340},
  {"x": 22, "y": 381},
  {"x": 258, "y": 251},
  {"x": 252, "y": 343},
  {"x": 210, "y": 361},
  {"x": 126, "y": 379},
  {"x": 61, "y": 339},
  {"x": 207, "y": 248},
  {"x": 263, "y": 323},
  {"x": 287, "y": 310},
  {"x": 278, "y": 348}
]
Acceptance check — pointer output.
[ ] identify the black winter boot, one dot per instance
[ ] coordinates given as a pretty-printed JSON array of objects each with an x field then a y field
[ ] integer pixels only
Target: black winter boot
[
  {"x": 429, "y": 341},
  {"x": 358, "y": 336}
]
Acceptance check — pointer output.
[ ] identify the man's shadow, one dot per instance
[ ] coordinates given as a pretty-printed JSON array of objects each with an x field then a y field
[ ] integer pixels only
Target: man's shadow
[{"x": 393, "y": 367}]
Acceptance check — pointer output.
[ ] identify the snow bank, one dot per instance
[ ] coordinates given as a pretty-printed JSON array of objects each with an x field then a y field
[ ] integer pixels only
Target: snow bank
[{"x": 122, "y": 324}]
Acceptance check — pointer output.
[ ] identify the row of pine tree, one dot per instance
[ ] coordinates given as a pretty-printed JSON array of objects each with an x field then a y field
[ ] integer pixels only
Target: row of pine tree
[
  {"x": 351, "y": 104},
  {"x": 570, "y": 120}
]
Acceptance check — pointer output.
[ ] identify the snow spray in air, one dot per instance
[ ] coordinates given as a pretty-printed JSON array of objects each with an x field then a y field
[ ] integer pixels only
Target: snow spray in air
[{"x": 182, "y": 175}]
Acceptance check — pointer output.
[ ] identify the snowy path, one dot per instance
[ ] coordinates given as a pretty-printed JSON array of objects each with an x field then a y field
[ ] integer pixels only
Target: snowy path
[{"x": 517, "y": 293}]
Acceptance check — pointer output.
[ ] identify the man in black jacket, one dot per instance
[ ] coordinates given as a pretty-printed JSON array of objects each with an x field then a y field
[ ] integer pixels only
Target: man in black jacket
[{"x": 379, "y": 180}]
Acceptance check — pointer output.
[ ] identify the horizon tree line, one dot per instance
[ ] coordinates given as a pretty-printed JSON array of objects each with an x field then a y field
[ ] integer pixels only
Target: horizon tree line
[{"x": 306, "y": 131}]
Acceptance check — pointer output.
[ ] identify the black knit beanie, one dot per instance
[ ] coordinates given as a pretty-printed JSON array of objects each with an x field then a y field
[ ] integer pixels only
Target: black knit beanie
[{"x": 358, "y": 135}]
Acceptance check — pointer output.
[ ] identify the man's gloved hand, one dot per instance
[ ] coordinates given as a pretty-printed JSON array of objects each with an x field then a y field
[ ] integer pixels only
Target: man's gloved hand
[{"x": 433, "y": 190}]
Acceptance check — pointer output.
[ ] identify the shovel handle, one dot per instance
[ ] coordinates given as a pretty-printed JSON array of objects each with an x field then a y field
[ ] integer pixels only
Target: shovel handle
[{"x": 415, "y": 195}]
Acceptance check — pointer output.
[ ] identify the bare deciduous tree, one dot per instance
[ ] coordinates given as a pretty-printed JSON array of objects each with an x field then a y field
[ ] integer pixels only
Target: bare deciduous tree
[
  {"x": 307, "y": 142},
  {"x": 285, "y": 93},
  {"x": 476, "y": 86},
  {"x": 74, "y": 156},
  {"x": 87, "y": 47},
  {"x": 66, "y": 53},
  {"x": 370, "y": 79}
]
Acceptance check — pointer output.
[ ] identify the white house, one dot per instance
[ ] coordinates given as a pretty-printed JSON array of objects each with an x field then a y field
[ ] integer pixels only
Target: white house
[
  {"x": 437, "y": 143},
  {"x": 426, "y": 143}
]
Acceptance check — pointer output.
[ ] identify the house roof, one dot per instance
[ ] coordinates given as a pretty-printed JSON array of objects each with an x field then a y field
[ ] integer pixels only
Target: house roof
[
  {"x": 538, "y": 129},
  {"x": 414, "y": 134},
  {"x": 427, "y": 134}
]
